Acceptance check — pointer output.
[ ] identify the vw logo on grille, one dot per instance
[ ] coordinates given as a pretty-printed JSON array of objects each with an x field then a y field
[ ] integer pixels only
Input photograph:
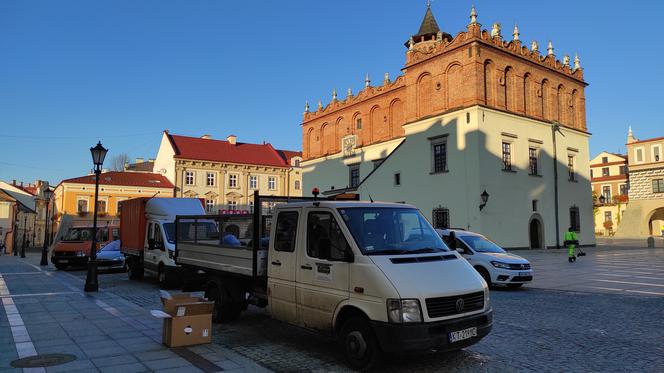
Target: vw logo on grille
[{"x": 459, "y": 305}]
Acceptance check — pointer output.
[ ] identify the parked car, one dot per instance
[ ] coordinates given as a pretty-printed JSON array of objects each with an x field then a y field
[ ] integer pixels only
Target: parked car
[
  {"x": 496, "y": 266},
  {"x": 110, "y": 256},
  {"x": 74, "y": 247}
]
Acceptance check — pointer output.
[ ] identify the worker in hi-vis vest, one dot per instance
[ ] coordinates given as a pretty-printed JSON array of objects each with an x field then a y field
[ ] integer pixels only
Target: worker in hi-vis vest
[{"x": 571, "y": 242}]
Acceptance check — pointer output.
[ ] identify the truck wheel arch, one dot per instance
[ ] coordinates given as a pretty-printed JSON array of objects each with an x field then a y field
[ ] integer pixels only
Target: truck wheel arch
[{"x": 346, "y": 312}]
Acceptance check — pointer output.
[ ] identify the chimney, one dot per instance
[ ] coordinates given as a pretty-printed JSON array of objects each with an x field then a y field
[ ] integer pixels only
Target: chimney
[
  {"x": 14, "y": 182},
  {"x": 21, "y": 184},
  {"x": 151, "y": 160},
  {"x": 232, "y": 139},
  {"x": 206, "y": 137},
  {"x": 139, "y": 160}
]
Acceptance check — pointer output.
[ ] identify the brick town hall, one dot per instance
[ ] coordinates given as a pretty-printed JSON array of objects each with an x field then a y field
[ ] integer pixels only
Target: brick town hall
[{"x": 471, "y": 113}]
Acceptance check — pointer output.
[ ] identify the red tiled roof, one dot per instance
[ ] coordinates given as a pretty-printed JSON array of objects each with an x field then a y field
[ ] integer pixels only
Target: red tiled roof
[
  {"x": 125, "y": 179},
  {"x": 646, "y": 140},
  {"x": 222, "y": 151},
  {"x": 287, "y": 155}
]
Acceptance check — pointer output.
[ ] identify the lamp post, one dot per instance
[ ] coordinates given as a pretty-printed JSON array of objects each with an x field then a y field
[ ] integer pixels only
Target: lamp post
[
  {"x": 485, "y": 197},
  {"x": 44, "y": 258},
  {"x": 602, "y": 199},
  {"x": 25, "y": 230},
  {"x": 98, "y": 155}
]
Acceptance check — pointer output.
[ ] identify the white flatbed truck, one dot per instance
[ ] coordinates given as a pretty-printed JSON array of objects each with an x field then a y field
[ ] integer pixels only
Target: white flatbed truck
[{"x": 376, "y": 275}]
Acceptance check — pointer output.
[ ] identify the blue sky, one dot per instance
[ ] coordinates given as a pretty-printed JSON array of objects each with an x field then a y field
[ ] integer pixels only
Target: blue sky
[{"x": 121, "y": 71}]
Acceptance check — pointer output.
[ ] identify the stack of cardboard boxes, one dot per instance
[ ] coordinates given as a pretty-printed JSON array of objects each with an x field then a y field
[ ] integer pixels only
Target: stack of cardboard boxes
[{"x": 187, "y": 319}]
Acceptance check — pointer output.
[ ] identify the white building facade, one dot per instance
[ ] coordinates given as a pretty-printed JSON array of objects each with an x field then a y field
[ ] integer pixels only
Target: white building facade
[{"x": 533, "y": 166}]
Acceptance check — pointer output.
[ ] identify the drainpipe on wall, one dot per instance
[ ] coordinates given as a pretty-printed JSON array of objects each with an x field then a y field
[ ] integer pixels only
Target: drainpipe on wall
[{"x": 555, "y": 127}]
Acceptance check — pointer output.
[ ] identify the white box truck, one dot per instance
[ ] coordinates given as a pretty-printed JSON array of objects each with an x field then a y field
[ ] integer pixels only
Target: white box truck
[
  {"x": 376, "y": 275},
  {"x": 147, "y": 235}
]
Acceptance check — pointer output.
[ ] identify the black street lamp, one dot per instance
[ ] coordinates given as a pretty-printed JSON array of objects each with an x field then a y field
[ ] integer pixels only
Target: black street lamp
[
  {"x": 485, "y": 197},
  {"x": 25, "y": 229},
  {"x": 98, "y": 155},
  {"x": 44, "y": 258},
  {"x": 602, "y": 199}
]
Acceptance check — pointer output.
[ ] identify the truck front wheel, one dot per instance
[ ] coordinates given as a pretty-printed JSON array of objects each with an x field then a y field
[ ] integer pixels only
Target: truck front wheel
[
  {"x": 360, "y": 344},
  {"x": 225, "y": 310}
]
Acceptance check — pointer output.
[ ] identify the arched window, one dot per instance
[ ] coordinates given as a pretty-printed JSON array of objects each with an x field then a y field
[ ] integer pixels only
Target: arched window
[
  {"x": 424, "y": 93},
  {"x": 560, "y": 100},
  {"x": 376, "y": 123},
  {"x": 488, "y": 83},
  {"x": 454, "y": 78},
  {"x": 396, "y": 118},
  {"x": 526, "y": 93},
  {"x": 544, "y": 93},
  {"x": 309, "y": 143},
  {"x": 509, "y": 88},
  {"x": 573, "y": 107}
]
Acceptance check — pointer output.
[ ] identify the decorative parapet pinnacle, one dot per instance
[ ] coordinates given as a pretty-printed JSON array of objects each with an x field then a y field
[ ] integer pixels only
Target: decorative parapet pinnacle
[
  {"x": 577, "y": 62},
  {"x": 534, "y": 47},
  {"x": 306, "y": 106},
  {"x": 549, "y": 49},
  {"x": 473, "y": 15},
  {"x": 515, "y": 33},
  {"x": 367, "y": 82},
  {"x": 495, "y": 30},
  {"x": 334, "y": 94}
]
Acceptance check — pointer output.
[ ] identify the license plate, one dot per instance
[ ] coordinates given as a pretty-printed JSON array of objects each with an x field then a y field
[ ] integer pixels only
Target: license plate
[
  {"x": 463, "y": 334},
  {"x": 524, "y": 273},
  {"x": 64, "y": 260}
]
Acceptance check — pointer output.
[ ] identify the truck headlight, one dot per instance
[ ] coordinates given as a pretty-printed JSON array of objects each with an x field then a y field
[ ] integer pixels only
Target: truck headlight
[
  {"x": 500, "y": 265},
  {"x": 404, "y": 310},
  {"x": 487, "y": 299},
  {"x": 170, "y": 253}
]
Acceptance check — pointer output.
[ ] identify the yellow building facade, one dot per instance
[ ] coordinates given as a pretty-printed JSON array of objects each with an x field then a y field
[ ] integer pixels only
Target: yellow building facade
[
  {"x": 226, "y": 173},
  {"x": 73, "y": 199}
]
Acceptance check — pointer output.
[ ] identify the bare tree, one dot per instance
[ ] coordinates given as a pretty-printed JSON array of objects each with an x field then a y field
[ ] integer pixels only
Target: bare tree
[{"x": 118, "y": 162}]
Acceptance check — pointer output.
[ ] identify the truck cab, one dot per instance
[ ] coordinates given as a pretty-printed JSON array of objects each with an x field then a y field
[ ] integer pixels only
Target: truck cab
[
  {"x": 375, "y": 274},
  {"x": 73, "y": 249}
]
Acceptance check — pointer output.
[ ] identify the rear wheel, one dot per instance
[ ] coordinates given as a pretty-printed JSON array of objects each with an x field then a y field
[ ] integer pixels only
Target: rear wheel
[
  {"x": 360, "y": 344},
  {"x": 485, "y": 275},
  {"x": 225, "y": 310},
  {"x": 134, "y": 270}
]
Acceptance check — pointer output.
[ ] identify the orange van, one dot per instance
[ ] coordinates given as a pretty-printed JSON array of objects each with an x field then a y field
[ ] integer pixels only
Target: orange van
[{"x": 74, "y": 247}]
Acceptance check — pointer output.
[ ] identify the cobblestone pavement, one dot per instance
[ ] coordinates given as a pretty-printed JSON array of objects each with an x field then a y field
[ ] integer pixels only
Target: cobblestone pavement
[
  {"x": 536, "y": 329},
  {"x": 606, "y": 269}
]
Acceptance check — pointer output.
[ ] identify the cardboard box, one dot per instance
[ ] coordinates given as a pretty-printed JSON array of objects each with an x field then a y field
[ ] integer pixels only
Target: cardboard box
[{"x": 187, "y": 319}]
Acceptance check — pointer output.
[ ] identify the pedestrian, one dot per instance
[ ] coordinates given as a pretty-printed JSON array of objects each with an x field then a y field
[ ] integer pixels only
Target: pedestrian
[{"x": 571, "y": 242}]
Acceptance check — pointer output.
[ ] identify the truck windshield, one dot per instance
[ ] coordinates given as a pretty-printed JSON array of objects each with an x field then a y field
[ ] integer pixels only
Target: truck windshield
[
  {"x": 391, "y": 230},
  {"x": 85, "y": 234}
]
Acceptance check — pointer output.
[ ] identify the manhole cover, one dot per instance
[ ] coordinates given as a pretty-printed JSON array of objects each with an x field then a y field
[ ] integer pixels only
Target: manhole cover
[{"x": 46, "y": 360}]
